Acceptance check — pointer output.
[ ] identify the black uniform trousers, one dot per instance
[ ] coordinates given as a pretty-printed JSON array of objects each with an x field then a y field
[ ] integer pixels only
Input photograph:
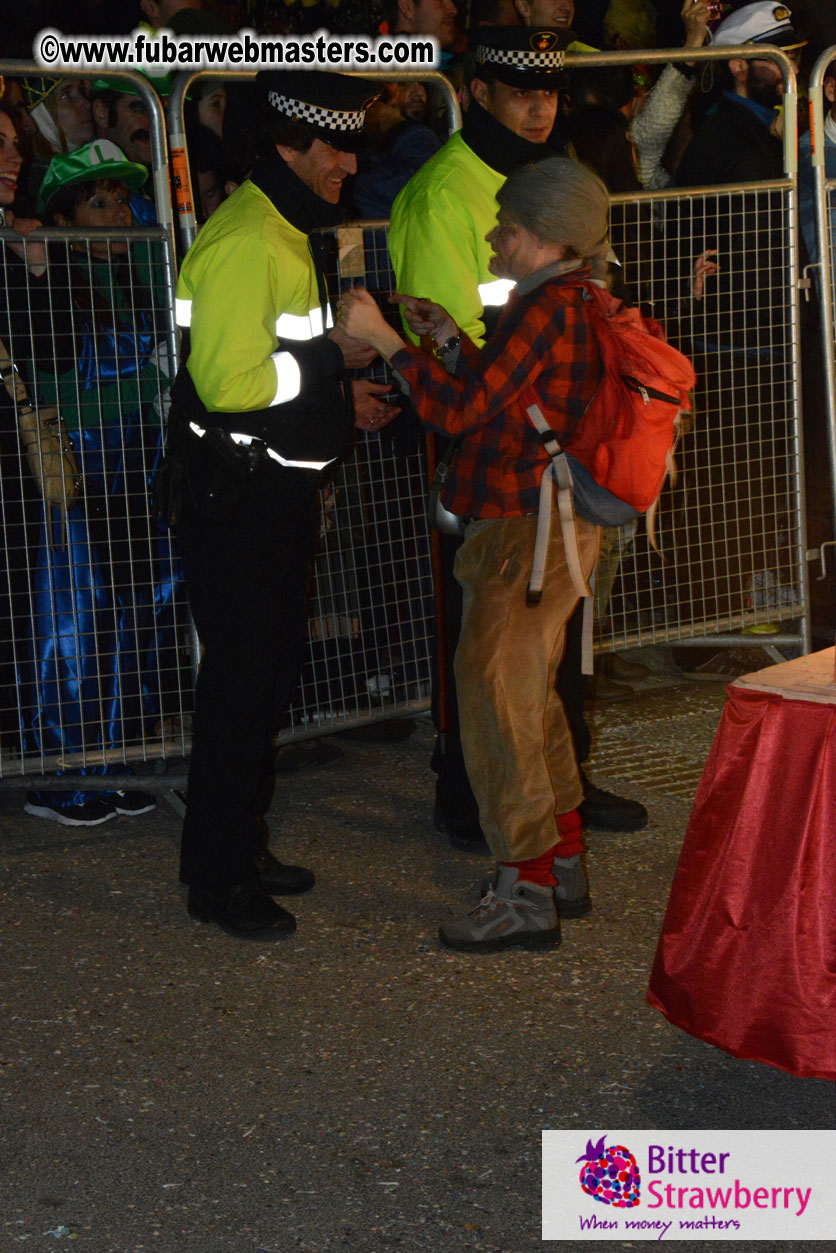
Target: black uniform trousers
[{"x": 247, "y": 578}]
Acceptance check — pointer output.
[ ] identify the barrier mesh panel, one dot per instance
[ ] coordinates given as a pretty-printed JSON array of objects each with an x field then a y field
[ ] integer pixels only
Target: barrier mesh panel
[
  {"x": 372, "y": 618},
  {"x": 95, "y": 639},
  {"x": 727, "y": 528},
  {"x": 94, "y": 631}
]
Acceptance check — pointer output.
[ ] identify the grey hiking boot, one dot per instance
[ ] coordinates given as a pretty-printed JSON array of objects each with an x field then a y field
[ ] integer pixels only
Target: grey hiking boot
[
  {"x": 512, "y": 914},
  {"x": 572, "y": 891}
]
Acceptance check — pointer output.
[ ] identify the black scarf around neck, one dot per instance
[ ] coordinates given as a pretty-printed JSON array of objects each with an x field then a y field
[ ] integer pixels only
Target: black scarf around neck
[
  {"x": 295, "y": 200},
  {"x": 498, "y": 147}
]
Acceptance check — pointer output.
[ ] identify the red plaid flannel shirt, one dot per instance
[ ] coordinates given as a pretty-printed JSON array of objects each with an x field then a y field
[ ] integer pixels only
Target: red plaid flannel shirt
[{"x": 543, "y": 340}]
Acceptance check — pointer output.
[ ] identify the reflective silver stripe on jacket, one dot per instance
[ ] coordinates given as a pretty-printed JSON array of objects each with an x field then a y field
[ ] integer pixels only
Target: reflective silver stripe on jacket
[
  {"x": 298, "y": 326},
  {"x": 238, "y": 437},
  {"x": 288, "y": 377},
  {"x": 496, "y": 293},
  {"x": 303, "y": 326}
]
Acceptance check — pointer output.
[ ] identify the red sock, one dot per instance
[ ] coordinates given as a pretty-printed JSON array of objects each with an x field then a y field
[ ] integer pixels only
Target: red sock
[
  {"x": 570, "y": 830},
  {"x": 539, "y": 869},
  {"x": 536, "y": 869}
]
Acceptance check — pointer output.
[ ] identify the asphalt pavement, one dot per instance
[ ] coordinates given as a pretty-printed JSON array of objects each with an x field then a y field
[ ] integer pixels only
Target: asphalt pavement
[{"x": 356, "y": 1087}]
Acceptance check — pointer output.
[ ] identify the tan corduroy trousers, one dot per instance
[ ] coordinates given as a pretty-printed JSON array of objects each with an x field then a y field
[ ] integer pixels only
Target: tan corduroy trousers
[{"x": 516, "y": 740}]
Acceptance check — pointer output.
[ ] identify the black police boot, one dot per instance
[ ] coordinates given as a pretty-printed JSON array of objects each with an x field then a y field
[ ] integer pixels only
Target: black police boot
[
  {"x": 244, "y": 910},
  {"x": 455, "y": 813},
  {"x": 604, "y": 811},
  {"x": 462, "y": 830},
  {"x": 280, "y": 880}
]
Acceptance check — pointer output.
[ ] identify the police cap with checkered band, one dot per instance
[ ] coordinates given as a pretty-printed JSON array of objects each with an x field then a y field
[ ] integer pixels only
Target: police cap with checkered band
[
  {"x": 529, "y": 57},
  {"x": 332, "y": 106}
]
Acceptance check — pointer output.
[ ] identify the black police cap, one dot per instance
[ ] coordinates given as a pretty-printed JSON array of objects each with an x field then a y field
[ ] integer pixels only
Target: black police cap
[
  {"x": 529, "y": 57},
  {"x": 333, "y": 106}
]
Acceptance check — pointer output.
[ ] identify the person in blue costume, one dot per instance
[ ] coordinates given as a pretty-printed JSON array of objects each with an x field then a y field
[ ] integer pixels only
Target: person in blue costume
[{"x": 104, "y": 584}]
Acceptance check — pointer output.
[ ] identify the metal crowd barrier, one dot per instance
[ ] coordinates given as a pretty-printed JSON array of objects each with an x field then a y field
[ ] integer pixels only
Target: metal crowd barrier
[
  {"x": 96, "y": 644},
  {"x": 371, "y": 623},
  {"x": 95, "y": 635},
  {"x": 372, "y": 618},
  {"x": 731, "y": 530}
]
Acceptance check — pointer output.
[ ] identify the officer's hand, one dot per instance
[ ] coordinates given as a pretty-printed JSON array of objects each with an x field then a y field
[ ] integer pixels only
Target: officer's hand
[
  {"x": 370, "y": 413},
  {"x": 356, "y": 354},
  {"x": 359, "y": 316}
]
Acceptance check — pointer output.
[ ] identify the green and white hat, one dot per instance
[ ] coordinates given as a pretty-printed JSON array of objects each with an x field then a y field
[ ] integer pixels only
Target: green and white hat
[
  {"x": 161, "y": 80},
  {"x": 100, "y": 159}
]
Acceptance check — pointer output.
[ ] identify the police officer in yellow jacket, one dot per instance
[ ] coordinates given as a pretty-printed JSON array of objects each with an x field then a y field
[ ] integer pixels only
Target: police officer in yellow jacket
[
  {"x": 439, "y": 251},
  {"x": 440, "y": 219},
  {"x": 261, "y": 407}
]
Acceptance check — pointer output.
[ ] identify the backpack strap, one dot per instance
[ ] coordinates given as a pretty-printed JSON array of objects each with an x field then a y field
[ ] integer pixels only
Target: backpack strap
[{"x": 558, "y": 473}]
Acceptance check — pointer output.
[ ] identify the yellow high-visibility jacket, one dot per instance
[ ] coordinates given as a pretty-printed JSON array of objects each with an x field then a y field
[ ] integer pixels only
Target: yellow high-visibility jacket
[
  {"x": 247, "y": 289},
  {"x": 437, "y": 235},
  {"x": 258, "y": 356}
]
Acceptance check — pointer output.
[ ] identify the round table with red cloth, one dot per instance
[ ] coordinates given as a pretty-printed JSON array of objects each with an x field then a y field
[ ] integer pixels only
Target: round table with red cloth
[{"x": 747, "y": 955}]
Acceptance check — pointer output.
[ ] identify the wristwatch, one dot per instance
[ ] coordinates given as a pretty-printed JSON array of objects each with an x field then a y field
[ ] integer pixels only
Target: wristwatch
[{"x": 449, "y": 345}]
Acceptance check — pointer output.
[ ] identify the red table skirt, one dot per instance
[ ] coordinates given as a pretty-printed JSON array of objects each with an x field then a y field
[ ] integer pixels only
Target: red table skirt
[{"x": 747, "y": 955}]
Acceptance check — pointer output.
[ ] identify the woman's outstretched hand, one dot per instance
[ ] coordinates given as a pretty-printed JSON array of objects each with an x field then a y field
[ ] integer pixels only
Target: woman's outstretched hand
[{"x": 424, "y": 317}]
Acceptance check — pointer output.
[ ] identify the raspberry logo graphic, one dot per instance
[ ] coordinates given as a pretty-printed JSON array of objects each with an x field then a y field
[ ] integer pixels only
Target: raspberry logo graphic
[{"x": 610, "y": 1175}]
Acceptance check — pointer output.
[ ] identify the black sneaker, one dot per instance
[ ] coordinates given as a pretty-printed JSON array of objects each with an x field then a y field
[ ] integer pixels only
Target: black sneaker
[
  {"x": 133, "y": 803},
  {"x": 71, "y": 809},
  {"x": 245, "y": 911}
]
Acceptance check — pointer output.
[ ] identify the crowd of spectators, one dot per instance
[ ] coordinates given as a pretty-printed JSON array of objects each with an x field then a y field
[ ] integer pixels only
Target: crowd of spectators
[{"x": 640, "y": 123}]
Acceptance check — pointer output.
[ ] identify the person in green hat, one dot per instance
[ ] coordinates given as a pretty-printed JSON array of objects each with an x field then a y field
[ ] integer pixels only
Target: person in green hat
[
  {"x": 121, "y": 115},
  {"x": 102, "y": 599},
  {"x": 77, "y": 184}
]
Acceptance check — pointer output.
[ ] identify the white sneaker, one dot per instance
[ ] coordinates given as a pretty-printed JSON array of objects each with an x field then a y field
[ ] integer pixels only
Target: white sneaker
[
  {"x": 134, "y": 803},
  {"x": 79, "y": 809}
]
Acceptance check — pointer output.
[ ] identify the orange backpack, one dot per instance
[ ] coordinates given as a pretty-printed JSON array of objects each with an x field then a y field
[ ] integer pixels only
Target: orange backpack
[
  {"x": 627, "y": 435},
  {"x": 618, "y": 457}
]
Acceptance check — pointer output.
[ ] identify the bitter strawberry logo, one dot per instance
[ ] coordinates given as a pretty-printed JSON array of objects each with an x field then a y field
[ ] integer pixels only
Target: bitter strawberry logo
[{"x": 610, "y": 1175}]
